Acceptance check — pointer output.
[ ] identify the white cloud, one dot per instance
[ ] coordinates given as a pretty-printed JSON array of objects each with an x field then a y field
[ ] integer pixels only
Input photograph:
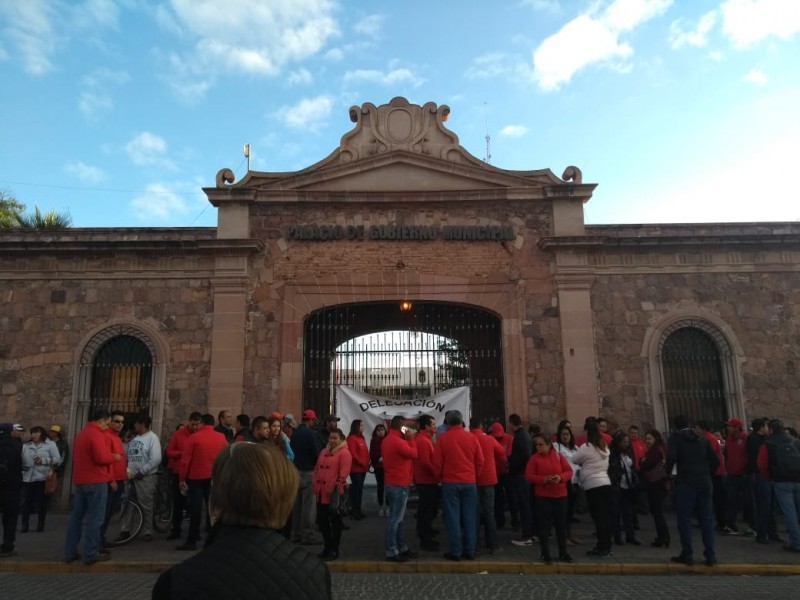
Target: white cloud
[
  {"x": 300, "y": 77},
  {"x": 146, "y": 149},
  {"x": 83, "y": 172},
  {"x": 30, "y": 31},
  {"x": 757, "y": 77},
  {"x": 550, "y": 6},
  {"x": 95, "y": 100},
  {"x": 493, "y": 64},
  {"x": 159, "y": 202},
  {"x": 246, "y": 37},
  {"x": 698, "y": 36},
  {"x": 592, "y": 38},
  {"x": 514, "y": 131},
  {"x": 392, "y": 77},
  {"x": 308, "y": 114},
  {"x": 96, "y": 13},
  {"x": 370, "y": 26},
  {"x": 335, "y": 55},
  {"x": 747, "y": 22}
]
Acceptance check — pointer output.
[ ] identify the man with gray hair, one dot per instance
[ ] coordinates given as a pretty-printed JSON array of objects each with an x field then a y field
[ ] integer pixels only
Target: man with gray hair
[{"x": 457, "y": 460}]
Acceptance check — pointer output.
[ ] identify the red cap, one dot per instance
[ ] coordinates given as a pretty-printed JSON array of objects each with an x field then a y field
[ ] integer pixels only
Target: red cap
[
  {"x": 276, "y": 414},
  {"x": 735, "y": 423},
  {"x": 309, "y": 414},
  {"x": 496, "y": 430}
]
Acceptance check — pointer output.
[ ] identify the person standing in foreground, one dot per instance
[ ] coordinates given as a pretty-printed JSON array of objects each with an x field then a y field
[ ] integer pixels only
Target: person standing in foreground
[
  {"x": 195, "y": 474},
  {"x": 399, "y": 451},
  {"x": 486, "y": 481},
  {"x": 427, "y": 483},
  {"x": 225, "y": 425},
  {"x": 592, "y": 458},
  {"x": 144, "y": 458},
  {"x": 119, "y": 471},
  {"x": 696, "y": 462},
  {"x": 306, "y": 445},
  {"x": 521, "y": 450},
  {"x": 253, "y": 492},
  {"x": 360, "y": 465},
  {"x": 10, "y": 486},
  {"x": 92, "y": 458},
  {"x": 330, "y": 475},
  {"x": 175, "y": 449},
  {"x": 779, "y": 462},
  {"x": 457, "y": 460}
]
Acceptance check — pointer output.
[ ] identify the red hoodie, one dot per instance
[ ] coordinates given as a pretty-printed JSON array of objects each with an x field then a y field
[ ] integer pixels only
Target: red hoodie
[
  {"x": 493, "y": 453},
  {"x": 119, "y": 470},
  {"x": 736, "y": 453},
  {"x": 176, "y": 448},
  {"x": 200, "y": 453},
  {"x": 541, "y": 466},
  {"x": 458, "y": 457},
  {"x": 423, "y": 465},
  {"x": 398, "y": 459},
  {"x": 712, "y": 439},
  {"x": 359, "y": 452},
  {"x": 91, "y": 456}
]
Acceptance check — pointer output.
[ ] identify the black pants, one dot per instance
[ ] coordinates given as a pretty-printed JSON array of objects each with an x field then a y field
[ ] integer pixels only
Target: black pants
[
  {"x": 622, "y": 509},
  {"x": 597, "y": 499},
  {"x": 199, "y": 490},
  {"x": 551, "y": 513},
  {"x": 739, "y": 493},
  {"x": 178, "y": 503},
  {"x": 33, "y": 500},
  {"x": 426, "y": 510},
  {"x": 656, "y": 494},
  {"x": 9, "y": 503},
  {"x": 356, "y": 491},
  {"x": 330, "y": 526},
  {"x": 379, "y": 481}
]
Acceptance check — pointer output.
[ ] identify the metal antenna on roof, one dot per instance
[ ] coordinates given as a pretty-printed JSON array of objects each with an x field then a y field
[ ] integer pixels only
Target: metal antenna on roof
[{"x": 488, "y": 157}]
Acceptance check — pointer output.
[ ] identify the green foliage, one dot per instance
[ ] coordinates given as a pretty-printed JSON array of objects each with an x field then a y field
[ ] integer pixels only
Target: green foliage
[
  {"x": 12, "y": 215},
  {"x": 10, "y": 210}
]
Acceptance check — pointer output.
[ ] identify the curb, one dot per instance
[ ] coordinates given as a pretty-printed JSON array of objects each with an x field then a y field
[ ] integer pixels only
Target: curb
[{"x": 438, "y": 567}]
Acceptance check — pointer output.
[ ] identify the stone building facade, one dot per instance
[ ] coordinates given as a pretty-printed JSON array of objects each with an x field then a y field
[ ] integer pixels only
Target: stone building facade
[{"x": 400, "y": 211}]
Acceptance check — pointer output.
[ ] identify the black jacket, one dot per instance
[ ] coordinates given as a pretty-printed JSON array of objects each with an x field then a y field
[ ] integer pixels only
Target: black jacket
[
  {"x": 695, "y": 458},
  {"x": 247, "y": 562},
  {"x": 521, "y": 450},
  {"x": 10, "y": 463},
  {"x": 306, "y": 445}
]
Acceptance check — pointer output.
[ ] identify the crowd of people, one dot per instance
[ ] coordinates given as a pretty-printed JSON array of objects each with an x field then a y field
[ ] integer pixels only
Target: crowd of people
[{"x": 479, "y": 477}]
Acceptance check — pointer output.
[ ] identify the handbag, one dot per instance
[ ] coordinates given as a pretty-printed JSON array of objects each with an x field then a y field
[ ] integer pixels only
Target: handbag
[
  {"x": 50, "y": 484},
  {"x": 340, "y": 501},
  {"x": 657, "y": 473}
]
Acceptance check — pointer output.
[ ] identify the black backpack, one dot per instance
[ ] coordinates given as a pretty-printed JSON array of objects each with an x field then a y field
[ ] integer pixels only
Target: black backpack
[
  {"x": 784, "y": 464},
  {"x": 10, "y": 462}
]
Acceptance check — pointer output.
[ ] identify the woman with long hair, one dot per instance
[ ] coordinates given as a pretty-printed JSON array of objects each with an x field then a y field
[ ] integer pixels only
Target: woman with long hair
[
  {"x": 40, "y": 458},
  {"x": 279, "y": 439},
  {"x": 330, "y": 476},
  {"x": 549, "y": 473},
  {"x": 253, "y": 488},
  {"x": 592, "y": 458},
  {"x": 358, "y": 470},
  {"x": 624, "y": 485},
  {"x": 565, "y": 445},
  {"x": 376, "y": 459},
  {"x": 657, "y": 484}
]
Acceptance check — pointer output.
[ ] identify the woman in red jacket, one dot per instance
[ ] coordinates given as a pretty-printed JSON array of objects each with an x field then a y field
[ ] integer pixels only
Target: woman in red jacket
[
  {"x": 358, "y": 471},
  {"x": 549, "y": 473},
  {"x": 330, "y": 473}
]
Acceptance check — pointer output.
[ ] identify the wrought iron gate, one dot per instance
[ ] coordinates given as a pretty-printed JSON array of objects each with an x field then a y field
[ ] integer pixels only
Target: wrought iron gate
[
  {"x": 693, "y": 376},
  {"x": 415, "y": 351}
]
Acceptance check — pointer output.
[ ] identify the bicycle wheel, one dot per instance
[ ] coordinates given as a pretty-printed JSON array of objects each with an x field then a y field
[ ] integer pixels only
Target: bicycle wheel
[
  {"x": 125, "y": 524},
  {"x": 162, "y": 505}
]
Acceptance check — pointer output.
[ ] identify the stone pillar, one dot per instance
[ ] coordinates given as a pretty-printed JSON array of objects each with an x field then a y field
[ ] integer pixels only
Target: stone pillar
[{"x": 577, "y": 342}]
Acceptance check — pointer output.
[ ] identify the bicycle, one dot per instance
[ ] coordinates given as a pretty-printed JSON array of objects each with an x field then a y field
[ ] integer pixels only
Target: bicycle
[{"x": 128, "y": 518}]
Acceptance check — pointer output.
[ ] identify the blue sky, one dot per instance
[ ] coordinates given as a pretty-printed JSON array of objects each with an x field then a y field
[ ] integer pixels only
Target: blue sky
[{"x": 681, "y": 110}]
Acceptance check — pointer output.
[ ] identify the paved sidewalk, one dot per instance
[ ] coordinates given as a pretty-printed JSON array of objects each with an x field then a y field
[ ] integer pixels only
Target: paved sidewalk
[{"x": 362, "y": 552}]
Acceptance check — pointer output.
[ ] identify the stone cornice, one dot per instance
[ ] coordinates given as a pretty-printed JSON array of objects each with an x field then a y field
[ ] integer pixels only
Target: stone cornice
[{"x": 632, "y": 243}]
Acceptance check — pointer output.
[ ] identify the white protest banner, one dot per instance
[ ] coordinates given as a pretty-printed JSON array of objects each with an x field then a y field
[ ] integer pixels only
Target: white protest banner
[{"x": 374, "y": 410}]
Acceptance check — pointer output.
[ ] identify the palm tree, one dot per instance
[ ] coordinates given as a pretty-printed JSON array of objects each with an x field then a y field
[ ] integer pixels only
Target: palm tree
[{"x": 48, "y": 220}]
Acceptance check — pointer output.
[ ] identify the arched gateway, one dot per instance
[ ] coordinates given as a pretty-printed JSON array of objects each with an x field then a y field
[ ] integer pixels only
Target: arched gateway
[{"x": 401, "y": 212}]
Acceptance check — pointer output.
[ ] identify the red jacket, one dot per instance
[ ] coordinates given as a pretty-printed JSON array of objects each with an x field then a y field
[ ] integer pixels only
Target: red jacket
[
  {"x": 423, "y": 465},
  {"x": 119, "y": 470},
  {"x": 357, "y": 446},
  {"x": 398, "y": 459},
  {"x": 506, "y": 441},
  {"x": 458, "y": 457},
  {"x": 736, "y": 453},
  {"x": 493, "y": 453},
  {"x": 176, "y": 447},
  {"x": 200, "y": 453},
  {"x": 580, "y": 441},
  {"x": 91, "y": 456},
  {"x": 541, "y": 466},
  {"x": 639, "y": 450},
  {"x": 332, "y": 469},
  {"x": 712, "y": 439}
]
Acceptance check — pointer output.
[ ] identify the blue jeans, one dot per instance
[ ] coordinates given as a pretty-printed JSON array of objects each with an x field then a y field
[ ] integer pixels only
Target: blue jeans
[
  {"x": 788, "y": 495},
  {"x": 687, "y": 500},
  {"x": 89, "y": 506},
  {"x": 460, "y": 505},
  {"x": 397, "y": 497}
]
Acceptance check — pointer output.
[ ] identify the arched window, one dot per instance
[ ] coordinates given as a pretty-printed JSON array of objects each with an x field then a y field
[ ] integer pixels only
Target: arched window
[
  {"x": 694, "y": 358},
  {"x": 122, "y": 376}
]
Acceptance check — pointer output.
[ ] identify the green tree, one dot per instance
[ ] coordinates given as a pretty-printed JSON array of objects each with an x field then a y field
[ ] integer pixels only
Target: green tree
[
  {"x": 10, "y": 210},
  {"x": 47, "y": 220},
  {"x": 453, "y": 365}
]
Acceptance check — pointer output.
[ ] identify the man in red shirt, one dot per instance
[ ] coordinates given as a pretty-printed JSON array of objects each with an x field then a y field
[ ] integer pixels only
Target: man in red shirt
[
  {"x": 738, "y": 488},
  {"x": 427, "y": 484},
  {"x": 119, "y": 470},
  {"x": 175, "y": 449},
  {"x": 91, "y": 473},
  {"x": 503, "y": 495},
  {"x": 493, "y": 453},
  {"x": 457, "y": 460},
  {"x": 399, "y": 451},
  {"x": 195, "y": 474}
]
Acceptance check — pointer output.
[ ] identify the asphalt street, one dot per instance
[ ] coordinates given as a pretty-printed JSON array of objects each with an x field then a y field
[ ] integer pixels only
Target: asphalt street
[{"x": 390, "y": 586}]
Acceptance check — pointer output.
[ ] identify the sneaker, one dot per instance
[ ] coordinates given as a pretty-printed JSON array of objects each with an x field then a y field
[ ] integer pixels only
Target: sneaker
[
  {"x": 684, "y": 560},
  {"x": 522, "y": 541},
  {"x": 728, "y": 531},
  {"x": 410, "y": 554},
  {"x": 565, "y": 558},
  {"x": 453, "y": 557},
  {"x": 598, "y": 552},
  {"x": 123, "y": 536},
  {"x": 398, "y": 558},
  {"x": 495, "y": 549},
  {"x": 97, "y": 559},
  {"x": 749, "y": 532}
]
